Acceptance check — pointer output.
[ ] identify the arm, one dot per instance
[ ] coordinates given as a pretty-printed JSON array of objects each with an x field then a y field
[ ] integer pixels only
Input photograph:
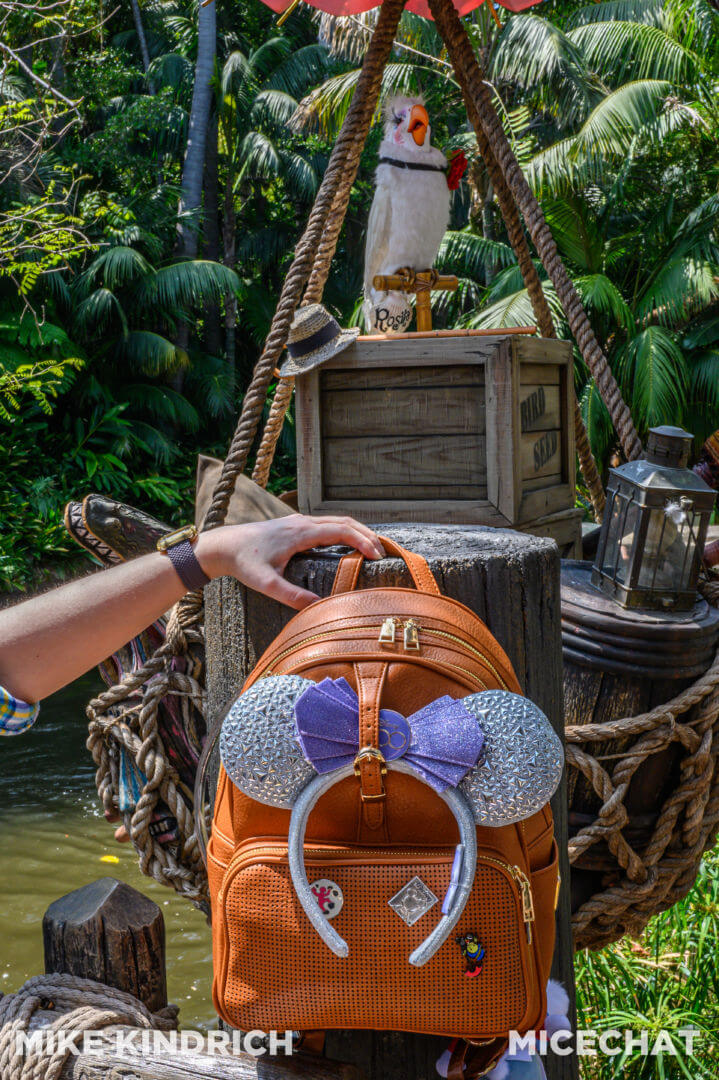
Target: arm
[{"x": 50, "y": 640}]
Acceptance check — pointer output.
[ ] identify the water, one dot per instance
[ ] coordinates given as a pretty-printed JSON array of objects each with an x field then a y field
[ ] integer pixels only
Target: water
[{"x": 54, "y": 838}]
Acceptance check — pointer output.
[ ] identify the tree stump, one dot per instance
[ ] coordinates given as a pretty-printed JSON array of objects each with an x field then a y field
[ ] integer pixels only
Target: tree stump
[
  {"x": 109, "y": 932},
  {"x": 511, "y": 581}
]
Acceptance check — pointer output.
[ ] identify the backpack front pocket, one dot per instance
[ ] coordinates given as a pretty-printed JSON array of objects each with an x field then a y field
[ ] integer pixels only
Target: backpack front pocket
[{"x": 275, "y": 972}]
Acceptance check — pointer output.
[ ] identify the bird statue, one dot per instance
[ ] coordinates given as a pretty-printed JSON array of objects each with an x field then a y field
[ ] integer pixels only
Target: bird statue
[{"x": 410, "y": 210}]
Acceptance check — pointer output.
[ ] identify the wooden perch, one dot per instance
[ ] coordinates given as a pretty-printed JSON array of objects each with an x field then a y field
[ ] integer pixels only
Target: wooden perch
[{"x": 422, "y": 283}]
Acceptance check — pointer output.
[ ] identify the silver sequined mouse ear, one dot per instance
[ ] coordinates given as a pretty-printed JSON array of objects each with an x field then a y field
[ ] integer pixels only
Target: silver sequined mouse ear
[
  {"x": 522, "y": 761},
  {"x": 258, "y": 747}
]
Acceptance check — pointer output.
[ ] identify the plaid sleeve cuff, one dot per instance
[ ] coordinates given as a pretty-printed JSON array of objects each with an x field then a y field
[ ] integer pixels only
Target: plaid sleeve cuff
[{"x": 15, "y": 716}]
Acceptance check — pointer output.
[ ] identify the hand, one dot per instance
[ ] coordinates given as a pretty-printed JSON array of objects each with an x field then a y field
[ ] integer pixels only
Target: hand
[{"x": 257, "y": 554}]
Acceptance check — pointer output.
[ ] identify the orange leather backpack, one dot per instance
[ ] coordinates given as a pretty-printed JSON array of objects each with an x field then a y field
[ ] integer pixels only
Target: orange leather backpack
[{"x": 374, "y": 834}]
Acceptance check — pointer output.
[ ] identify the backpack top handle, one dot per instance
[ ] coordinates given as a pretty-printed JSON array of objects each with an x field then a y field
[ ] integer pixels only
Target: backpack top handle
[{"x": 348, "y": 571}]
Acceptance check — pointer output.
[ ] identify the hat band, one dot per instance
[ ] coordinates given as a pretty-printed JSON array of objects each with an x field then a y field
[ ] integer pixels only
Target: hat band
[{"x": 298, "y": 349}]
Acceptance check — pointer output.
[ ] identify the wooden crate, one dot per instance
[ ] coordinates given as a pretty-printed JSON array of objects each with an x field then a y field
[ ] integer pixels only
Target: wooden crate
[{"x": 472, "y": 430}]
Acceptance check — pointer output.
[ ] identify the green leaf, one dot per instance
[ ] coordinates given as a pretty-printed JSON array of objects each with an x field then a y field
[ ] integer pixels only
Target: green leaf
[{"x": 653, "y": 374}]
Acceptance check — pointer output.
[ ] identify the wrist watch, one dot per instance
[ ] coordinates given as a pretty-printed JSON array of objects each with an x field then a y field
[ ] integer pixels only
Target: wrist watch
[{"x": 177, "y": 545}]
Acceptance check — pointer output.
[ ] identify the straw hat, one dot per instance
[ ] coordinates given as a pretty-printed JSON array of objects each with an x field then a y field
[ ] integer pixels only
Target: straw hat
[{"x": 314, "y": 337}]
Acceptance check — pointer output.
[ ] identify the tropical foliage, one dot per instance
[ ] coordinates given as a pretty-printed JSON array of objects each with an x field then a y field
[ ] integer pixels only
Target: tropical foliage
[
  {"x": 158, "y": 161},
  {"x": 664, "y": 982}
]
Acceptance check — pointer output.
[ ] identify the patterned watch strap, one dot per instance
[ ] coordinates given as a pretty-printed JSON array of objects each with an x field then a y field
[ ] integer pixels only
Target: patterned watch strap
[{"x": 191, "y": 574}]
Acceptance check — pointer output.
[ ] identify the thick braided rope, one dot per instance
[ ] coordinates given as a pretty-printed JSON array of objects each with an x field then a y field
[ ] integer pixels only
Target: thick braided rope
[
  {"x": 664, "y": 871},
  {"x": 273, "y": 430},
  {"x": 354, "y": 130},
  {"x": 81, "y": 1005},
  {"x": 540, "y": 307},
  {"x": 465, "y": 64}
]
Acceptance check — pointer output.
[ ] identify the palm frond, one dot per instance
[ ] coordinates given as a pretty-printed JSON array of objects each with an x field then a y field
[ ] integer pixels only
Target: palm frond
[
  {"x": 301, "y": 69},
  {"x": 162, "y": 403},
  {"x": 211, "y": 381},
  {"x": 536, "y": 55},
  {"x": 272, "y": 107},
  {"x": 602, "y": 299},
  {"x": 172, "y": 71},
  {"x": 151, "y": 353},
  {"x": 300, "y": 175},
  {"x": 513, "y": 310},
  {"x": 258, "y": 155},
  {"x": 576, "y": 231},
  {"x": 653, "y": 375},
  {"x": 680, "y": 288},
  {"x": 185, "y": 287},
  {"x": 619, "y": 51},
  {"x": 597, "y": 420},
  {"x": 98, "y": 313},
  {"x": 638, "y": 11},
  {"x": 605, "y": 137},
  {"x": 115, "y": 267},
  {"x": 469, "y": 255}
]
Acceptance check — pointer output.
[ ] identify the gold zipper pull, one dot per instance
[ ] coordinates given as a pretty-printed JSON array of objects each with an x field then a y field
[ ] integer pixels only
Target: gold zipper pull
[
  {"x": 388, "y": 631},
  {"x": 527, "y": 900},
  {"x": 411, "y": 636}
]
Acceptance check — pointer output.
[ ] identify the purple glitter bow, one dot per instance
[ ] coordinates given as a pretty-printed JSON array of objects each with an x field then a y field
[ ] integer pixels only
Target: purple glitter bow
[{"x": 441, "y": 741}]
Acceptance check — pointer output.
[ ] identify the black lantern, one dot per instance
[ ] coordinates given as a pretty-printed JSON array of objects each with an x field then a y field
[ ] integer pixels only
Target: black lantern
[{"x": 655, "y": 526}]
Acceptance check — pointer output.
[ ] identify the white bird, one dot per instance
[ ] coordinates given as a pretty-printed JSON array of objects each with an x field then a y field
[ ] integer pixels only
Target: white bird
[{"x": 410, "y": 209}]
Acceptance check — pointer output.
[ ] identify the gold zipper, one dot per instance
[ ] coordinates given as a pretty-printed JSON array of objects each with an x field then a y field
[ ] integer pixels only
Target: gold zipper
[
  {"x": 411, "y": 636},
  {"x": 470, "y": 648},
  {"x": 300, "y": 644},
  {"x": 525, "y": 891},
  {"x": 388, "y": 631}
]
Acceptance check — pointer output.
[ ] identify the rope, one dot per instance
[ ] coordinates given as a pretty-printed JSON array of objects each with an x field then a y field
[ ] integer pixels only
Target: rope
[
  {"x": 81, "y": 1005},
  {"x": 640, "y": 883},
  {"x": 273, "y": 429},
  {"x": 353, "y": 133},
  {"x": 465, "y": 65},
  {"x": 126, "y": 716}
]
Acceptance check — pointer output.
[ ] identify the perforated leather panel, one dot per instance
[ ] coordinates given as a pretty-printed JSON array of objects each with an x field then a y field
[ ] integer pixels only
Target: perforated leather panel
[{"x": 279, "y": 974}]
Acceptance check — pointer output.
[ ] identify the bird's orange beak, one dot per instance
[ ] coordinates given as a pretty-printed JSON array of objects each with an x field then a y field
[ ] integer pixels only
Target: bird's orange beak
[{"x": 418, "y": 124}]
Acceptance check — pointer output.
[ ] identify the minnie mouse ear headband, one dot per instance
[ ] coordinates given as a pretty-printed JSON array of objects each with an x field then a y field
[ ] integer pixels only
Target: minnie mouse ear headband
[{"x": 493, "y": 757}]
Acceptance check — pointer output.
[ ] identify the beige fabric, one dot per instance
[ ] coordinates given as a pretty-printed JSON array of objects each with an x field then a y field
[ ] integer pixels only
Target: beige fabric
[{"x": 249, "y": 501}]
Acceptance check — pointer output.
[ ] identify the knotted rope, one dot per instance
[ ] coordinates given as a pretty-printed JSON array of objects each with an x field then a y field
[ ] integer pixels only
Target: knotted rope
[
  {"x": 81, "y": 1005},
  {"x": 646, "y": 881}
]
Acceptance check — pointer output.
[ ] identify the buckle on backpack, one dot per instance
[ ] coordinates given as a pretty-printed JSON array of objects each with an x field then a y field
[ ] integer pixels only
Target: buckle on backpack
[{"x": 373, "y": 754}]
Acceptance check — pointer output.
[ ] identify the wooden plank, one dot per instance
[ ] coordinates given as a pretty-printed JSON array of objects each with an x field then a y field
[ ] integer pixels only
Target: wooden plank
[
  {"x": 502, "y": 331},
  {"x": 410, "y": 461},
  {"x": 542, "y": 501},
  {"x": 373, "y": 496},
  {"x": 540, "y": 454},
  {"x": 309, "y": 441},
  {"x": 502, "y": 457},
  {"x": 539, "y": 407},
  {"x": 417, "y": 352},
  {"x": 538, "y": 350},
  {"x": 435, "y": 411},
  {"x": 440, "y": 511},
  {"x": 535, "y": 483},
  {"x": 383, "y": 377},
  {"x": 547, "y": 374}
]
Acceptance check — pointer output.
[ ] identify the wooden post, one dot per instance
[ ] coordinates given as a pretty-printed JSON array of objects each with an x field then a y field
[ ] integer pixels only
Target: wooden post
[
  {"x": 511, "y": 581},
  {"x": 109, "y": 932}
]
